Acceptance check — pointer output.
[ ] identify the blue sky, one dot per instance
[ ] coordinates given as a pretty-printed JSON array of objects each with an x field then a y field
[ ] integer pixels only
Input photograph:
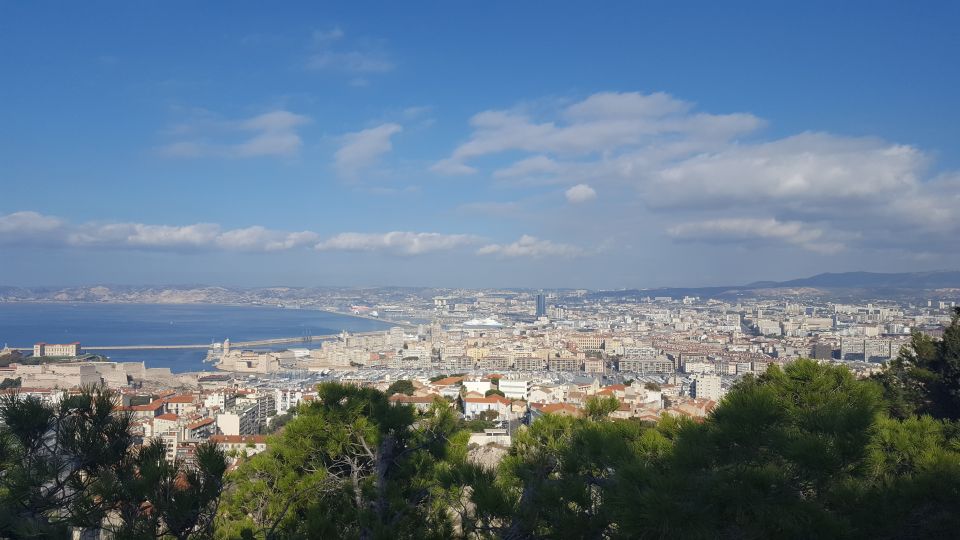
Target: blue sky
[{"x": 616, "y": 144}]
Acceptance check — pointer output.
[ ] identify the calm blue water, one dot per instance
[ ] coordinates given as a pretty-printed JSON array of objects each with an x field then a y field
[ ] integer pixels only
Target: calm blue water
[{"x": 22, "y": 325}]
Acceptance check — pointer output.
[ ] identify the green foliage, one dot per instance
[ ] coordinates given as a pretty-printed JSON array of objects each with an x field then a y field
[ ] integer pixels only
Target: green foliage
[
  {"x": 652, "y": 386},
  {"x": 488, "y": 415},
  {"x": 74, "y": 464},
  {"x": 10, "y": 383},
  {"x": 803, "y": 452},
  {"x": 925, "y": 376},
  {"x": 350, "y": 465},
  {"x": 598, "y": 408},
  {"x": 476, "y": 425},
  {"x": 494, "y": 392},
  {"x": 403, "y": 386},
  {"x": 7, "y": 359},
  {"x": 279, "y": 421}
]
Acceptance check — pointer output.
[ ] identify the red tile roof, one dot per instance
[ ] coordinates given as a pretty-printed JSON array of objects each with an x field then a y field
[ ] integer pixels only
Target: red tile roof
[
  {"x": 448, "y": 381},
  {"x": 200, "y": 423}
]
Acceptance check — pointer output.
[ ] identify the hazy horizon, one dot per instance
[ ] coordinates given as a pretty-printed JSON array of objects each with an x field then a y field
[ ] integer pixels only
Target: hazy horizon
[{"x": 414, "y": 286}]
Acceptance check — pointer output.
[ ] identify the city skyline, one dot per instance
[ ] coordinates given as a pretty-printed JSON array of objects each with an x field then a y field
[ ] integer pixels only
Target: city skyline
[{"x": 642, "y": 146}]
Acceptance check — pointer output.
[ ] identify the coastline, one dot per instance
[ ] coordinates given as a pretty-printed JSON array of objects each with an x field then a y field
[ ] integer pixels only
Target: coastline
[
  {"x": 181, "y": 348},
  {"x": 220, "y": 304}
]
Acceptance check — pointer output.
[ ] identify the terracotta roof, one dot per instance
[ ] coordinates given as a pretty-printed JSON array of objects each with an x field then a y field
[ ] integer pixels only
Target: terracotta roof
[
  {"x": 447, "y": 381},
  {"x": 200, "y": 423},
  {"x": 152, "y": 406},
  {"x": 182, "y": 398},
  {"x": 554, "y": 408},
  {"x": 169, "y": 416}
]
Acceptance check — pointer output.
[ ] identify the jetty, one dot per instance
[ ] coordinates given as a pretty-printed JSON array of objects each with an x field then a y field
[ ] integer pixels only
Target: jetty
[{"x": 235, "y": 345}]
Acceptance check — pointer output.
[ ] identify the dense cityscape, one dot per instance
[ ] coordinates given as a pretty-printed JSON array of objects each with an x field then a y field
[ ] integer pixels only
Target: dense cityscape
[{"x": 506, "y": 356}]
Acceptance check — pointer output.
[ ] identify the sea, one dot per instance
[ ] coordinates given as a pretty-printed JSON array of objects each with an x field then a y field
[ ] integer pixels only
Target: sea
[{"x": 93, "y": 324}]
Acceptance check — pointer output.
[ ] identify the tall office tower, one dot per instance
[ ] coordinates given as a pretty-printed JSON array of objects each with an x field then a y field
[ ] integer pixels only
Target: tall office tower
[{"x": 541, "y": 305}]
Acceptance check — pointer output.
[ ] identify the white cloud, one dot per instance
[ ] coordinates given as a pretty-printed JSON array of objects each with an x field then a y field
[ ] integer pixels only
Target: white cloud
[
  {"x": 27, "y": 223},
  {"x": 530, "y": 246},
  {"x": 600, "y": 124},
  {"x": 30, "y": 228},
  {"x": 34, "y": 229},
  {"x": 258, "y": 238},
  {"x": 805, "y": 167},
  {"x": 362, "y": 149},
  {"x": 146, "y": 236},
  {"x": 861, "y": 192},
  {"x": 274, "y": 133},
  {"x": 750, "y": 229},
  {"x": 580, "y": 193},
  {"x": 363, "y": 57},
  {"x": 397, "y": 242},
  {"x": 630, "y": 104}
]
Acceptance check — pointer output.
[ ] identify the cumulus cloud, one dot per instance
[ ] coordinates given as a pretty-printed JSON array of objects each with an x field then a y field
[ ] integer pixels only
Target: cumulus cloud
[
  {"x": 397, "y": 242},
  {"x": 580, "y": 193},
  {"x": 601, "y": 123},
  {"x": 273, "y": 133},
  {"x": 861, "y": 192},
  {"x": 28, "y": 222},
  {"x": 33, "y": 229},
  {"x": 750, "y": 229},
  {"x": 531, "y": 246},
  {"x": 258, "y": 238},
  {"x": 139, "y": 235},
  {"x": 29, "y": 228},
  {"x": 362, "y": 149},
  {"x": 805, "y": 167}
]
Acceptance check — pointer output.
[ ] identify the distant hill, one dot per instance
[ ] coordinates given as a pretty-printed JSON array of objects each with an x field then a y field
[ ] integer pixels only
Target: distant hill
[
  {"x": 832, "y": 284},
  {"x": 861, "y": 280}
]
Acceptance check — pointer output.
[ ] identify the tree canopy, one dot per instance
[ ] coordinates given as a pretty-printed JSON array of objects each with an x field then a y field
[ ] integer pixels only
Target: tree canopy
[
  {"x": 925, "y": 376},
  {"x": 75, "y": 465},
  {"x": 402, "y": 386},
  {"x": 804, "y": 451},
  {"x": 350, "y": 465}
]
